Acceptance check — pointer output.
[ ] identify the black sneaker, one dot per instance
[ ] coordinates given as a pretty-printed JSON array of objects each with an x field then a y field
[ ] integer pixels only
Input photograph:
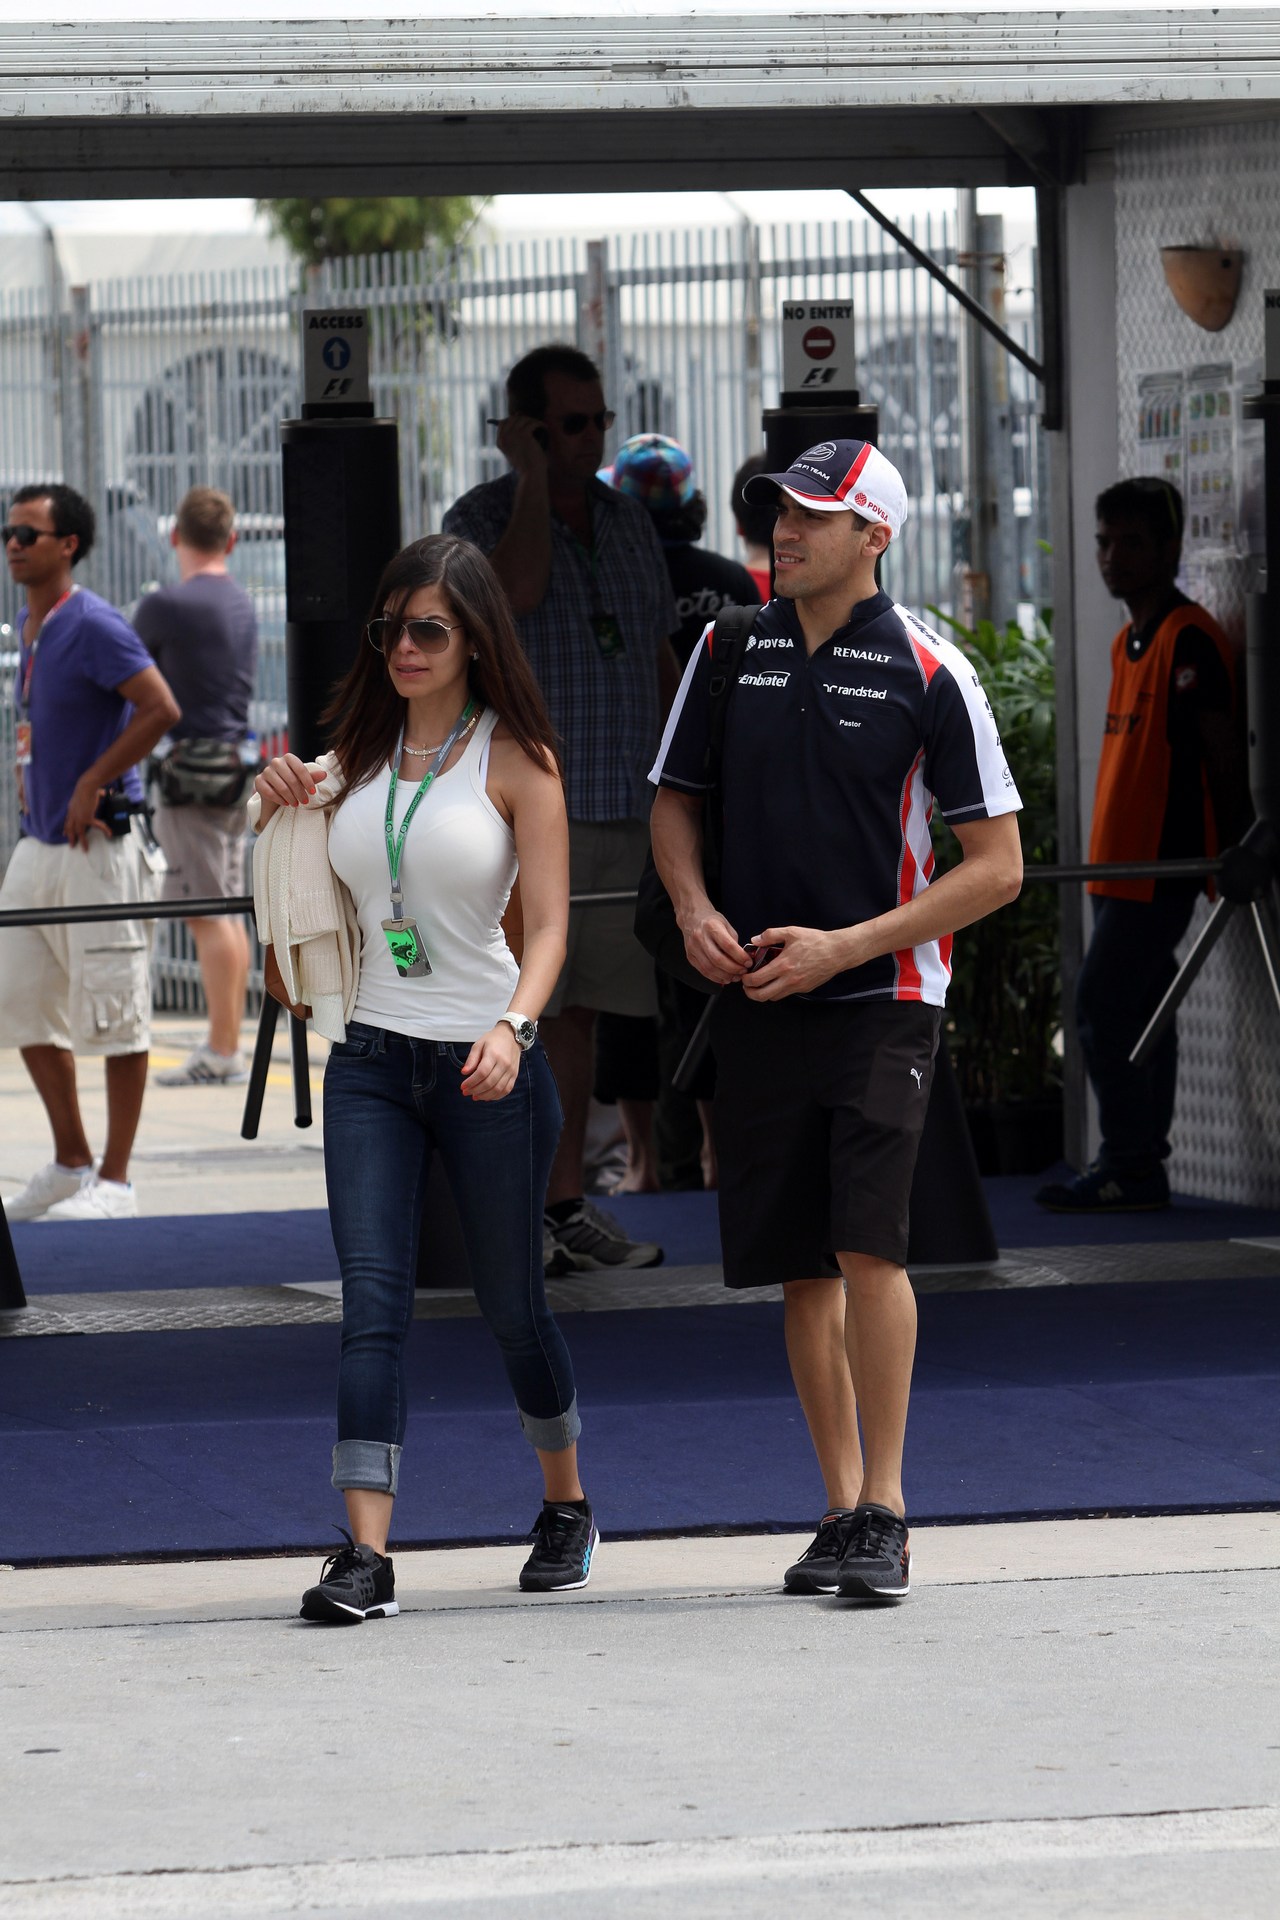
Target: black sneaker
[
  {"x": 877, "y": 1559},
  {"x": 591, "y": 1241},
  {"x": 815, "y": 1570},
  {"x": 355, "y": 1584},
  {"x": 1102, "y": 1191},
  {"x": 563, "y": 1543}
]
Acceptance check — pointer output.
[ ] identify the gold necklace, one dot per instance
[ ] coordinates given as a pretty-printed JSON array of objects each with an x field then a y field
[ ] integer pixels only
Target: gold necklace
[{"x": 425, "y": 753}]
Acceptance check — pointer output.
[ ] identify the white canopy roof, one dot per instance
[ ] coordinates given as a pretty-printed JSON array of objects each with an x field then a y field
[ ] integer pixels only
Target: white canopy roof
[{"x": 150, "y": 98}]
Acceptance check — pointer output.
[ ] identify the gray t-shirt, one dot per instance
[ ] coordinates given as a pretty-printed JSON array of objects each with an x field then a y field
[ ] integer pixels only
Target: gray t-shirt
[{"x": 203, "y": 636}]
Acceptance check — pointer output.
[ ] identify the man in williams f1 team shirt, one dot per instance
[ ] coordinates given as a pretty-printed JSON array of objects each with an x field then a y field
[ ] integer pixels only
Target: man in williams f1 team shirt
[{"x": 849, "y": 721}]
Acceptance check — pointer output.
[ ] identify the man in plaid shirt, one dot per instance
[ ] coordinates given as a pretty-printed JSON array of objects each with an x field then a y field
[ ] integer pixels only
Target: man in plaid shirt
[{"x": 588, "y": 584}]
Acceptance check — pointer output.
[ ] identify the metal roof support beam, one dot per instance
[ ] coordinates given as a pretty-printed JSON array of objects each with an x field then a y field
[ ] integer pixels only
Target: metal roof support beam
[
  {"x": 1049, "y": 145},
  {"x": 957, "y": 293},
  {"x": 1049, "y": 252}
]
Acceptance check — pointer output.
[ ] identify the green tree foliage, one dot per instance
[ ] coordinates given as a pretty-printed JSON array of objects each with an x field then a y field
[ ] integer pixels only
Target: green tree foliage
[
  {"x": 319, "y": 230},
  {"x": 1004, "y": 1004}
]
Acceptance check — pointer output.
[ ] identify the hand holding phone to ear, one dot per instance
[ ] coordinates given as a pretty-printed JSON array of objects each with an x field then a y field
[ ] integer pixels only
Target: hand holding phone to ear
[{"x": 524, "y": 441}]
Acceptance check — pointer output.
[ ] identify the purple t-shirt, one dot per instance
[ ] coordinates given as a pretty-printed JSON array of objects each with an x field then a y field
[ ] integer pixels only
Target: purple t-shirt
[{"x": 83, "y": 653}]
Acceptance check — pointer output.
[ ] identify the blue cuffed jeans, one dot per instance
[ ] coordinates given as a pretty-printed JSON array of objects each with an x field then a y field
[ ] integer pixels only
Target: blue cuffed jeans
[{"x": 390, "y": 1101}]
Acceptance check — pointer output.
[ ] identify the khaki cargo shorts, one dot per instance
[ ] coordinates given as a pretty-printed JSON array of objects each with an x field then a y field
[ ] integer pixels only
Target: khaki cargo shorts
[
  {"x": 606, "y": 968},
  {"x": 87, "y": 987},
  {"x": 205, "y": 850}
]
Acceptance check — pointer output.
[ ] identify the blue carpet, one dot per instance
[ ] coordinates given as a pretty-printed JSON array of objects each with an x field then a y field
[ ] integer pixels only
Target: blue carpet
[
  {"x": 1062, "y": 1400},
  {"x": 261, "y": 1249},
  {"x": 1019, "y": 1222}
]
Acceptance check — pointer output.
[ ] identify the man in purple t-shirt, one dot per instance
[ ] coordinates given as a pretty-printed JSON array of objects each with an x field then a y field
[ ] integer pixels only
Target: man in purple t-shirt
[{"x": 90, "y": 705}]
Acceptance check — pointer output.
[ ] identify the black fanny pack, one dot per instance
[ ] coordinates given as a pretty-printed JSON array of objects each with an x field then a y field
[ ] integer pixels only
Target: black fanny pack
[{"x": 206, "y": 773}]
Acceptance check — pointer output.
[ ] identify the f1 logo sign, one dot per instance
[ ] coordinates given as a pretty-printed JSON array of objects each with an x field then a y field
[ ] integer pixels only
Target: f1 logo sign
[
  {"x": 335, "y": 358},
  {"x": 818, "y": 350}
]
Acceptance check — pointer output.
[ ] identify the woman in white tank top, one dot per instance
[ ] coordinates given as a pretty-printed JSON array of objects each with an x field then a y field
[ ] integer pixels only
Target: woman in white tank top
[{"x": 450, "y": 784}]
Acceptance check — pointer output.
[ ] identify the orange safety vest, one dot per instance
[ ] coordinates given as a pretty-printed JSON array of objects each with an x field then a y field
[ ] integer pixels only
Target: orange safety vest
[{"x": 1132, "y": 794}]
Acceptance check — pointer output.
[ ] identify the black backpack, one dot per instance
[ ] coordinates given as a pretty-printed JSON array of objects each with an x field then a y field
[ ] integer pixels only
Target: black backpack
[{"x": 655, "y": 922}]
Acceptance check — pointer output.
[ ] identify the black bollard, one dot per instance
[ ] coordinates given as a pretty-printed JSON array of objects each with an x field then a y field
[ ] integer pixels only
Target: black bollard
[{"x": 12, "y": 1292}]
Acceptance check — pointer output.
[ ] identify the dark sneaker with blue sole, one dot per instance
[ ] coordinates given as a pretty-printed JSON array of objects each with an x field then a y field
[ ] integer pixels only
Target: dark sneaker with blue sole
[
  {"x": 876, "y": 1564},
  {"x": 816, "y": 1569},
  {"x": 355, "y": 1584},
  {"x": 564, "y": 1541},
  {"x": 1102, "y": 1190}
]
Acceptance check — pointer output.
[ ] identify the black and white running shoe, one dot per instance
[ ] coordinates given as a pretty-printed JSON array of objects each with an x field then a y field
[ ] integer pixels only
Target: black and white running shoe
[
  {"x": 355, "y": 1584},
  {"x": 876, "y": 1564},
  {"x": 591, "y": 1241},
  {"x": 816, "y": 1569},
  {"x": 563, "y": 1542}
]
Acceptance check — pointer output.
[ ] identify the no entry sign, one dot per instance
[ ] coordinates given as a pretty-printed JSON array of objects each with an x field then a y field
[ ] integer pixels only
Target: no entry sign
[{"x": 817, "y": 346}]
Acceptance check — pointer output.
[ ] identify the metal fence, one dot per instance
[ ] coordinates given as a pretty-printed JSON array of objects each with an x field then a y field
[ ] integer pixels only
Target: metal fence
[{"x": 135, "y": 390}]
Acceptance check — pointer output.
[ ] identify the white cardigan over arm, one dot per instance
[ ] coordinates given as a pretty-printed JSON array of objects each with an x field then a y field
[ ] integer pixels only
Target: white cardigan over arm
[{"x": 302, "y": 908}]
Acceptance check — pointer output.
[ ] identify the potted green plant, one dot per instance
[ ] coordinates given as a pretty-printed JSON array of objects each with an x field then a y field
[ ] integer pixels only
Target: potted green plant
[{"x": 1004, "y": 1013}]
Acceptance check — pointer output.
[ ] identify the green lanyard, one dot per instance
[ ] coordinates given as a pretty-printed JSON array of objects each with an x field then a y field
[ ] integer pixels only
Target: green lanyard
[
  {"x": 395, "y": 843},
  {"x": 605, "y": 626}
]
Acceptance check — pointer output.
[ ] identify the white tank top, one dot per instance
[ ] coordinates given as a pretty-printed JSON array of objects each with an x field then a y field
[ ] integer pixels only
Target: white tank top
[{"x": 458, "y": 867}]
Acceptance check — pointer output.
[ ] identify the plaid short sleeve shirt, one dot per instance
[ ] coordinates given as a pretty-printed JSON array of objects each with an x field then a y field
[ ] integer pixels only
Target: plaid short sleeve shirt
[{"x": 603, "y": 705}]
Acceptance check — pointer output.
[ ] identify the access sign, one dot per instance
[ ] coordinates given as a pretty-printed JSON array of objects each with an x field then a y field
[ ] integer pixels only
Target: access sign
[
  {"x": 335, "y": 357},
  {"x": 817, "y": 347}
]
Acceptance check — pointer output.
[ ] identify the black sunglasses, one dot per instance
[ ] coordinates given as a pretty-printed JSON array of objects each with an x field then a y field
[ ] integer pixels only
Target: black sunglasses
[
  {"x": 27, "y": 536},
  {"x": 429, "y": 635},
  {"x": 579, "y": 422}
]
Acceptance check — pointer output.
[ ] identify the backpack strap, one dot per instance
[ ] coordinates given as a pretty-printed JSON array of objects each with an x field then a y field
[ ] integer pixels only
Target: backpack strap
[{"x": 729, "y": 636}]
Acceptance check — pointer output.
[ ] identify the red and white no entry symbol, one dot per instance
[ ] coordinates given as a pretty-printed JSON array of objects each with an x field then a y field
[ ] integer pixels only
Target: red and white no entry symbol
[{"x": 819, "y": 343}]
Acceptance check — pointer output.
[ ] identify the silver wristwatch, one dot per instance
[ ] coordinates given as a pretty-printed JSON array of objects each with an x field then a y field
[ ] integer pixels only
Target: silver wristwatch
[{"x": 524, "y": 1029}]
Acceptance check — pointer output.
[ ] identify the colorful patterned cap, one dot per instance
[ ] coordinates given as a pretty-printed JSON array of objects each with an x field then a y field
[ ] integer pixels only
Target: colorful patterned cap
[{"x": 655, "y": 471}]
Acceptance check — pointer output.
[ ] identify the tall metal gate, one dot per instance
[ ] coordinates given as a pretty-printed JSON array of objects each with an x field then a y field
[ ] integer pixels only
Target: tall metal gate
[{"x": 135, "y": 390}]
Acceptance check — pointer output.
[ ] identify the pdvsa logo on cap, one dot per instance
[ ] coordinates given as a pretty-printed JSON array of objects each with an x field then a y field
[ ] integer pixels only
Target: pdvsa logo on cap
[
  {"x": 823, "y": 452},
  {"x": 859, "y": 499}
]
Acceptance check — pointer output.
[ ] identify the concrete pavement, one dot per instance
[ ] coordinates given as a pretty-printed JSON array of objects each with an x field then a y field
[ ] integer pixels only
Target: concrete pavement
[
  {"x": 1075, "y": 1718},
  {"x": 189, "y": 1156},
  {"x": 1064, "y": 1718}
]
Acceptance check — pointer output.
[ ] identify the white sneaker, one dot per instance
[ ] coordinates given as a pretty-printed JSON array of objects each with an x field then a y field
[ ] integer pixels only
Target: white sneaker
[
  {"x": 99, "y": 1200},
  {"x": 205, "y": 1068},
  {"x": 45, "y": 1189}
]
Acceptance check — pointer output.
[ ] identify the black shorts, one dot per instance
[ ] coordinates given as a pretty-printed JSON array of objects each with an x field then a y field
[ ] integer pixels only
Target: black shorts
[{"x": 819, "y": 1109}]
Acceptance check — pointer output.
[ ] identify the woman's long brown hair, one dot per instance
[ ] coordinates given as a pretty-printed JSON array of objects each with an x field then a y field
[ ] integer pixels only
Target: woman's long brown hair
[{"x": 366, "y": 713}]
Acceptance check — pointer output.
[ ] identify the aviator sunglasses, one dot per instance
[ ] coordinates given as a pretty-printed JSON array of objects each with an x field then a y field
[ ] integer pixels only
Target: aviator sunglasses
[
  {"x": 429, "y": 635},
  {"x": 27, "y": 536},
  {"x": 578, "y": 422}
]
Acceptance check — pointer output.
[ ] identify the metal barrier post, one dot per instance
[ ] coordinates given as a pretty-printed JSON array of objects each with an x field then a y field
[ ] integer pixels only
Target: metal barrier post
[
  {"x": 301, "y": 1071},
  {"x": 258, "y": 1071}
]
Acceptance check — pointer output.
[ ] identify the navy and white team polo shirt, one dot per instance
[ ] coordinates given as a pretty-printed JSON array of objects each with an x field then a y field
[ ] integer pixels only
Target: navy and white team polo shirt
[{"x": 832, "y": 765}]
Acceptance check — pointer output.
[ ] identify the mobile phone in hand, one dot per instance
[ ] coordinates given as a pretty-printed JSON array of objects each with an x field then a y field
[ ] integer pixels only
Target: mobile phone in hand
[
  {"x": 760, "y": 956},
  {"x": 540, "y": 434}
]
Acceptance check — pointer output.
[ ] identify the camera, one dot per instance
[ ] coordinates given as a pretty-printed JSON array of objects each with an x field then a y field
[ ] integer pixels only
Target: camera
[{"x": 116, "y": 811}]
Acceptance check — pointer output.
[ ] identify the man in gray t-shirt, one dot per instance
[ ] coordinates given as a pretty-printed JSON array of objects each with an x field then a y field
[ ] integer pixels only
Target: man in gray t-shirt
[{"x": 203, "y": 634}]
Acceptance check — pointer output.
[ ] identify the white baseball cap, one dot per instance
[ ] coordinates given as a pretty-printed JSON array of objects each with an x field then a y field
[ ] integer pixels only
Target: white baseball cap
[{"x": 837, "y": 475}]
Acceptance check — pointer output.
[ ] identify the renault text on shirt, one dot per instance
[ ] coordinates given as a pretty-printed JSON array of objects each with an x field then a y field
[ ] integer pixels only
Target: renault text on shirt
[{"x": 832, "y": 765}]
